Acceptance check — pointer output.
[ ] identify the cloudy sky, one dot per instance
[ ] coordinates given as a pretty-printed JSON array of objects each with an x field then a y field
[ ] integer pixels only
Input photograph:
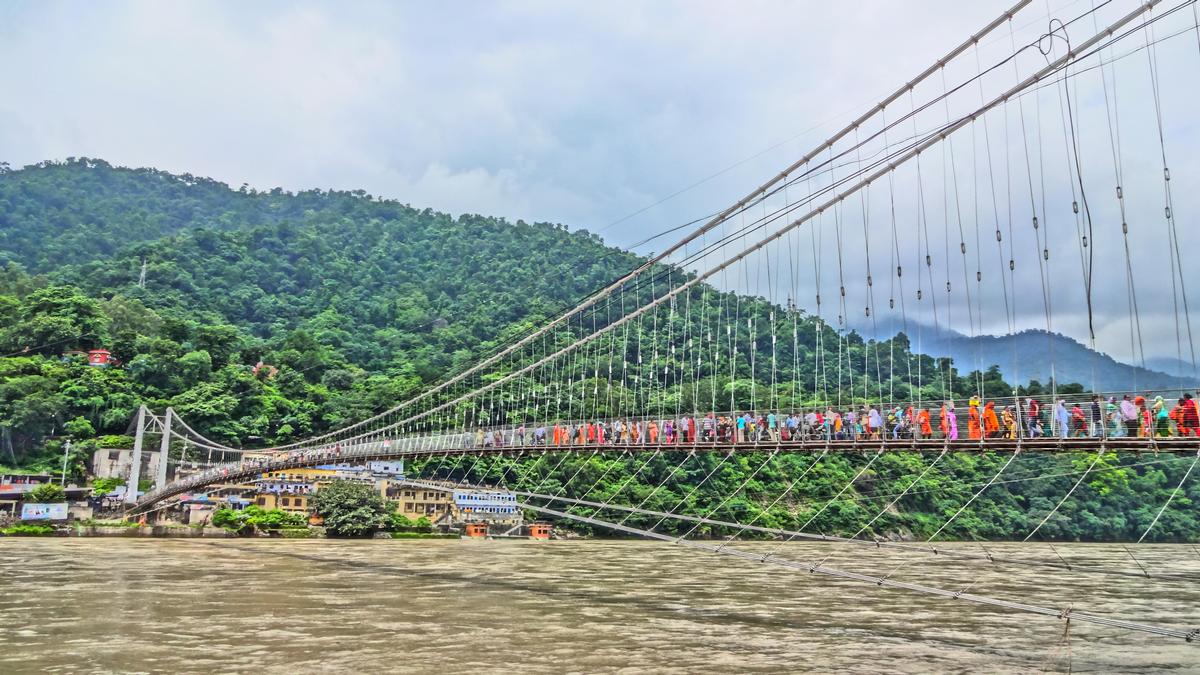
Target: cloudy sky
[{"x": 584, "y": 114}]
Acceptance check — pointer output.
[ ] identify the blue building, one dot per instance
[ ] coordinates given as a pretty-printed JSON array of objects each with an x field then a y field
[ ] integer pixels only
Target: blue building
[{"x": 491, "y": 505}]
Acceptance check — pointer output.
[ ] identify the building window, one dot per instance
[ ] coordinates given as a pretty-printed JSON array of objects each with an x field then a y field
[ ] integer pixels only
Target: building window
[{"x": 284, "y": 501}]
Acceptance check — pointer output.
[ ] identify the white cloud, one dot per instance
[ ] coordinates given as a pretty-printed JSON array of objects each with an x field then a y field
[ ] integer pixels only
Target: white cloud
[{"x": 583, "y": 114}]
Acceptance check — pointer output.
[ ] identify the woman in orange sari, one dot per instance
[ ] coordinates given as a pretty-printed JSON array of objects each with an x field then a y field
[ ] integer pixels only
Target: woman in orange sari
[
  {"x": 991, "y": 423},
  {"x": 974, "y": 431},
  {"x": 923, "y": 420}
]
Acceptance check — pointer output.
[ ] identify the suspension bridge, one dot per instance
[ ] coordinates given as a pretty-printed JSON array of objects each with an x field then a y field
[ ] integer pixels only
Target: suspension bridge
[{"x": 1021, "y": 180}]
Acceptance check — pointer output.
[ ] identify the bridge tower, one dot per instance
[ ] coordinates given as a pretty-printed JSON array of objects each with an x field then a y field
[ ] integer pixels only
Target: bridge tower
[
  {"x": 145, "y": 422},
  {"x": 164, "y": 449},
  {"x": 135, "y": 463}
]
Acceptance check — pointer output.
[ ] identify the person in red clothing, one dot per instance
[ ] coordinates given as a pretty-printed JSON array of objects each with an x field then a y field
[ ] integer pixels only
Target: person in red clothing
[
  {"x": 1078, "y": 421},
  {"x": 1145, "y": 423},
  {"x": 1176, "y": 416},
  {"x": 1191, "y": 417}
]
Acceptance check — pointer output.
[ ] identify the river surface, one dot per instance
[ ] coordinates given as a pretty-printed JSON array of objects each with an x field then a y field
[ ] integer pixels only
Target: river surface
[{"x": 296, "y": 606}]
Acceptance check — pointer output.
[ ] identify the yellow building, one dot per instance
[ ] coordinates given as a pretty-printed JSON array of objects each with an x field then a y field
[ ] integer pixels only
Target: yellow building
[
  {"x": 414, "y": 502},
  {"x": 295, "y": 503},
  {"x": 291, "y": 489},
  {"x": 305, "y": 475}
]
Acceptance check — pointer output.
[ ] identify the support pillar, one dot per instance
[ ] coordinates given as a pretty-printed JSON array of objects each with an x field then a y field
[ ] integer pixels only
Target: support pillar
[
  {"x": 135, "y": 465},
  {"x": 164, "y": 449}
]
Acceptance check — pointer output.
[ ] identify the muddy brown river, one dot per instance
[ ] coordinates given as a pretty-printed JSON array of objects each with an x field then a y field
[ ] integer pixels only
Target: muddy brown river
[{"x": 295, "y": 606}]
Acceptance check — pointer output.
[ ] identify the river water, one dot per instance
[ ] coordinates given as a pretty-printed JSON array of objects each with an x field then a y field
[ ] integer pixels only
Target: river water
[{"x": 292, "y": 606}]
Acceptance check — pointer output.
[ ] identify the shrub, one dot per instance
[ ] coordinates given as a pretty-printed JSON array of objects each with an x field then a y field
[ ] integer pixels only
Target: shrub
[
  {"x": 46, "y": 493},
  {"x": 28, "y": 531},
  {"x": 103, "y": 486},
  {"x": 254, "y": 518}
]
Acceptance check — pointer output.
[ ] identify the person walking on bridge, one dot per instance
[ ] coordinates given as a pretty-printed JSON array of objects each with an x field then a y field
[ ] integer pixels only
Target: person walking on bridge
[
  {"x": 1162, "y": 420},
  {"x": 1062, "y": 418},
  {"x": 1145, "y": 418},
  {"x": 1129, "y": 417},
  {"x": 1035, "y": 414},
  {"x": 974, "y": 429},
  {"x": 1078, "y": 422},
  {"x": 876, "y": 421},
  {"x": 923, "y": 420},
  {"x": 709, "y": 428},
  {"x": 1009, "y": 421},
  {"x": 991, "y": 424},
  {"x": 1112, "y": 417},
  {"x": 1191, "y": 417}
]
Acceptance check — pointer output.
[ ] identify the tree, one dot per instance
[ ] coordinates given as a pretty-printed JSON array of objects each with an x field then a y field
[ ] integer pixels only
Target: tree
[
  {"x": 46, "y": 493},
  {"x": 79, "y": 428},
  {"x": 350, "y": 509},
  {"x": 53, "y": 319}
]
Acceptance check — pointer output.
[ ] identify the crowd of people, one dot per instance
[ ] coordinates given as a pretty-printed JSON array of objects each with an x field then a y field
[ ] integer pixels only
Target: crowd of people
[{"x": 1132, "y": 416}]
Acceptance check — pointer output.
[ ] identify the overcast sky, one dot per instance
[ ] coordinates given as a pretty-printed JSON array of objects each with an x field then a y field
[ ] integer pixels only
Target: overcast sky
[{"x": 580, "y": 113}]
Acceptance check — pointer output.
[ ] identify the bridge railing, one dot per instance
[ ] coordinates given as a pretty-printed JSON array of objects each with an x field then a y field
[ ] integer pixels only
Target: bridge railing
[{"x": 895, "y": 421}]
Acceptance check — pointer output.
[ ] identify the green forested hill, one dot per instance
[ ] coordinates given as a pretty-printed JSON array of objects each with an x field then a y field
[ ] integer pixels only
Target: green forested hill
[
  {"x": 360, "y": 302},
  {"x": 357, "y": 300},
  {"x": 58, "y": 213}
]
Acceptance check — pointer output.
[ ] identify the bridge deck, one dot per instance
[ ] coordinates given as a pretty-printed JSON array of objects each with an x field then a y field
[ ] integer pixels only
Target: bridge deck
[{"x": 248, "y": 469}]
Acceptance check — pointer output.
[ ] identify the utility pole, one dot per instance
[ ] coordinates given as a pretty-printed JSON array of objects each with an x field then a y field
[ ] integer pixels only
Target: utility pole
[
  {"x": 66, "y": 451},
  {"x": 135, "y": 466}
]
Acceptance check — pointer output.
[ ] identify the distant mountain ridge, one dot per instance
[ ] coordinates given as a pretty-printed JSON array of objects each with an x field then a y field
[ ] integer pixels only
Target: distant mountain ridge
[
  {"x": 1042, "y": 355},
  {"x": 1172, "y": 366}
]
